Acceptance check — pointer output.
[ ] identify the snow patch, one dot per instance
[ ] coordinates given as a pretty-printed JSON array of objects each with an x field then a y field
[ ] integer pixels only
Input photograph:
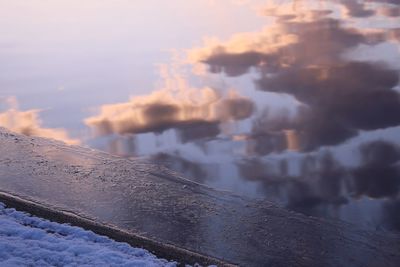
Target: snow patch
[{"x": 30, "y": 241}]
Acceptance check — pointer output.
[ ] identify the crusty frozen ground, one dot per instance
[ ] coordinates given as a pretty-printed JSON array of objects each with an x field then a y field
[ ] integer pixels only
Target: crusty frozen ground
[
  {"x": 30, "y": 241},
  {"x": 156, "y": 203}
]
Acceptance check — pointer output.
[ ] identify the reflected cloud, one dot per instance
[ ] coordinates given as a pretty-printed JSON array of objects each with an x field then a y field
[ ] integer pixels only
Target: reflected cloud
[
  {"x": 348, "y": 8},
  {"x": 323, "y": 183},
  {"x": 272, "y": 133},
  {"x": 379, "y": 174},
  {"x": 265, "y": 143},
  {"x": 302, "y": 55},
  {"x": 194, "y": 113},
  {"x": 122, "y": 146},
  {"x": 198, "y": 130},
  {"x": 355, "y": 8},
  {"x": 389, "y": 11},
  {"x": 317, "y": 186},
  {"x": 191, "y": 169},
  {"x": 29, "y": 123}
]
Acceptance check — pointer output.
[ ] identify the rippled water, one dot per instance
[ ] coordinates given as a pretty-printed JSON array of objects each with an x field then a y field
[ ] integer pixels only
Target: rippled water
[{"x": 296, "y": 102}]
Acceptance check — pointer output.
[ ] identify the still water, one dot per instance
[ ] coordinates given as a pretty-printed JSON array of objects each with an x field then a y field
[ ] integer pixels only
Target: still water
[{"x": 296, "y": 102}]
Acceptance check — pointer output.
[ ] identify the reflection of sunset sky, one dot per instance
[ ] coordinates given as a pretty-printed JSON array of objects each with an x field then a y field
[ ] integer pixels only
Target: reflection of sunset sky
[
  {"x": 303, "y": 56},
  {"x": 165, "y": 109},
  {"x": 29, "y": 123},
  {"x": 241, "y": 83}
]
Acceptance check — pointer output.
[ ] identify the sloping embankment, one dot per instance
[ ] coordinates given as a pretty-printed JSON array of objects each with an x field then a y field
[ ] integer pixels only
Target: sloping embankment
[{"x": 152, "y": 207}]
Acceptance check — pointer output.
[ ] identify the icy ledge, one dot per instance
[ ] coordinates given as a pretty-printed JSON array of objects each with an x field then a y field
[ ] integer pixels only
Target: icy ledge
[{"x": 151, "y": 207}]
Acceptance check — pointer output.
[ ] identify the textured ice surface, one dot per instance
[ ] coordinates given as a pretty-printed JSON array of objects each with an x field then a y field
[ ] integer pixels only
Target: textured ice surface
[
  {"x": 30, "y": 241},
  {"x": 153, "y": 202}
]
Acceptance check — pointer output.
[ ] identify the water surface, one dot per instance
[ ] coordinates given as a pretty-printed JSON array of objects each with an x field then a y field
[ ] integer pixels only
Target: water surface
[{"x": 296, "y": 102}]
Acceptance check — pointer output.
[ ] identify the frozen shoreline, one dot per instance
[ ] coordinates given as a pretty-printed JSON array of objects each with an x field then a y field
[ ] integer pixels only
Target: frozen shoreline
[
  {"x": 149, "y": 201},
  {"x": 181, "y": 256},
  {"x": 27, "y": 240}
]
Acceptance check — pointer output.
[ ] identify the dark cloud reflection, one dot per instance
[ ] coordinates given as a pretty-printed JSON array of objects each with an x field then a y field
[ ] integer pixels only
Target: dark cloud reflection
[
  {"x": 317, "y": 187},
  {"x": 340, "y": 96},
  {"x": 379, "y": 174},
  {"x": 198, "y": 130},
  {"x": 192, "y": 118},
  {"x": 322, "y": 184},
  {"x": 191, "y": 169}
]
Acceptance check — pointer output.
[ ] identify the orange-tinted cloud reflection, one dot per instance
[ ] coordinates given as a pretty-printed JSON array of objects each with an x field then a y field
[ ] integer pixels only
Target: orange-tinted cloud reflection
[
  {"x": 181, "y": 109},
  {"x": 28, "y": 123},
  {"x": 303, "y": 55}
]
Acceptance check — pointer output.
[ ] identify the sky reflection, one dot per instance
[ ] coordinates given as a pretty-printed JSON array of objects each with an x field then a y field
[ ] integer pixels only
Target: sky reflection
[
  {"x": 293, "y": 101},
  {"x": 29, "y": 123}
]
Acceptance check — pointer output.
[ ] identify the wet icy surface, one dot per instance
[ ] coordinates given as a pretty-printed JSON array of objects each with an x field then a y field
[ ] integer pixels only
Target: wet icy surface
[
  {"x": 157, "y": 203},
  {"x": 30, "y": 241}
]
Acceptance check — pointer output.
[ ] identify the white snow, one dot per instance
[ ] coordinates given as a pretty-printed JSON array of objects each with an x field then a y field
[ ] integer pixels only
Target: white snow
[{"x": 30, "y": 241}]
